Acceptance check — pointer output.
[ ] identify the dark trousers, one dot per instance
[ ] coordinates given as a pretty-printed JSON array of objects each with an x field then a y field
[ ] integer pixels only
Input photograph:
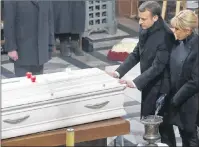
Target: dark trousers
[
  {"x": 189, "y": 139},
  {"x": 21, "y": 70},
  {"x": 66, "y": 36}
]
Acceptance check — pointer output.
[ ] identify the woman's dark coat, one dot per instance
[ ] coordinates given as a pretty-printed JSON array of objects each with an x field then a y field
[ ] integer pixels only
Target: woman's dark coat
[{"x": 183, "y": 105}]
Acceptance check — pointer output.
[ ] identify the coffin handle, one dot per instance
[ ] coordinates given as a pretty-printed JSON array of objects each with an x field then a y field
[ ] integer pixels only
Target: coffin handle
[
  {"x": 16, "y": 121},
  {"x": 96, "y": 106}
]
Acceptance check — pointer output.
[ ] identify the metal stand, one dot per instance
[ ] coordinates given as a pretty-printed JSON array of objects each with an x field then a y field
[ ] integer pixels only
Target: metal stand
[{"x": 151, "y": 125}]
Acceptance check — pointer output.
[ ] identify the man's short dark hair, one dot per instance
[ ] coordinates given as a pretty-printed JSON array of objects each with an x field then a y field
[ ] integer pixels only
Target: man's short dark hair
[{"x": 151, "y": 6}]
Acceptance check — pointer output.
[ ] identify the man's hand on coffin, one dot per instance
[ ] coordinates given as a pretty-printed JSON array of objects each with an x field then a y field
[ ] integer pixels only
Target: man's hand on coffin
[
  {"x": 112, "y": 74},
  {"x": 13, "y": 55},
  {"x": 128, "y": 83}
]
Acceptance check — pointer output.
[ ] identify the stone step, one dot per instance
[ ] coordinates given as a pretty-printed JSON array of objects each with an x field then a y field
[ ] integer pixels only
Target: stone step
[{"x": 102, "y": 40}]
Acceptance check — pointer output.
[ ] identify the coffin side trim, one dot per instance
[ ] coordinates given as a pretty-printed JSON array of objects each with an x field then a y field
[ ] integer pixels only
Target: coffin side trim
[
  {"x": 70, "y": 117},
  {"x": 97, "y": 106},
  {"x": 16, "y": 121},
  {"x": 50, "y": 125}
]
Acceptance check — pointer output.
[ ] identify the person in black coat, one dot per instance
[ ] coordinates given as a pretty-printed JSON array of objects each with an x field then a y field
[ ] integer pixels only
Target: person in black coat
[
  {"x": 181, "y": 106},
  {"x": 152, "y": 51},
  {"x": 69, "y": 22},
  {"x": 29, "y": 34}
]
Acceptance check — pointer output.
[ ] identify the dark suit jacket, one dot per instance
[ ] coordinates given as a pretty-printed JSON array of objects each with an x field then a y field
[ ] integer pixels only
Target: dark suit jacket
[
  {"x": 153, "y": 55},
  {"x": 28, "y": 28}
]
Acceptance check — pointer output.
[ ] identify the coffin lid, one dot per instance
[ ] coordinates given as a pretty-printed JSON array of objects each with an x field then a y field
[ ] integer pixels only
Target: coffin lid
[{"x": 55, "y": 86}]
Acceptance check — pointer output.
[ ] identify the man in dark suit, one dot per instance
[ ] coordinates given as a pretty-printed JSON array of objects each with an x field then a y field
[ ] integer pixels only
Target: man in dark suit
[
  {"x": 69, "y": 20},
  {"x": 152, "y": 51},
  {"x": 29, "y": 34}
]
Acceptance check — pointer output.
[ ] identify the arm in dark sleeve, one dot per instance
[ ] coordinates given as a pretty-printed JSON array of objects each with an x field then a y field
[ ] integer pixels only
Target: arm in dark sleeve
[
  {"x": 190, "y": 88},
  {"x": 51, "y": 28},
  {"x": 157, "y": 67},
  {"x": 130, "y": 62},
  {"x": 9, "y": 25}
]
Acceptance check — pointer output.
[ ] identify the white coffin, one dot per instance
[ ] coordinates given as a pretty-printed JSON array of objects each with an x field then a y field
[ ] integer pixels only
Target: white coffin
[{"x": 59, "y": 100}]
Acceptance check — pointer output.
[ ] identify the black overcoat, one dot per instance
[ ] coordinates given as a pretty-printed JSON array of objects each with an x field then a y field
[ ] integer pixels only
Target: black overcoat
[
  {"x": 69, "y": 16},
  {"x": 28, "y": 29},
  {"x": 184, "y": 93},
  {"x": 152, "y": 51}
]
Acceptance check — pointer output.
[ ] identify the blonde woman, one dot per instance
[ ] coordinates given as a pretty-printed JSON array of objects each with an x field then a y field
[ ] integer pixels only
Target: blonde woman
[{"x": 183, "y": 98}]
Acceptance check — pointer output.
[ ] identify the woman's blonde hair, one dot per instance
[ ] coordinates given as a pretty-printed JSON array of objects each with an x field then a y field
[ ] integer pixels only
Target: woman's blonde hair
[{"x": 185, "y": 19}]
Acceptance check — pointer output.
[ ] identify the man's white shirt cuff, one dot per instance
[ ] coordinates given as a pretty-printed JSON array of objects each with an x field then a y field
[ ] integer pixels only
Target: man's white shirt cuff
[
  {"x": 117, "y": 73},
  {"x": 134, "y": 84}
]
